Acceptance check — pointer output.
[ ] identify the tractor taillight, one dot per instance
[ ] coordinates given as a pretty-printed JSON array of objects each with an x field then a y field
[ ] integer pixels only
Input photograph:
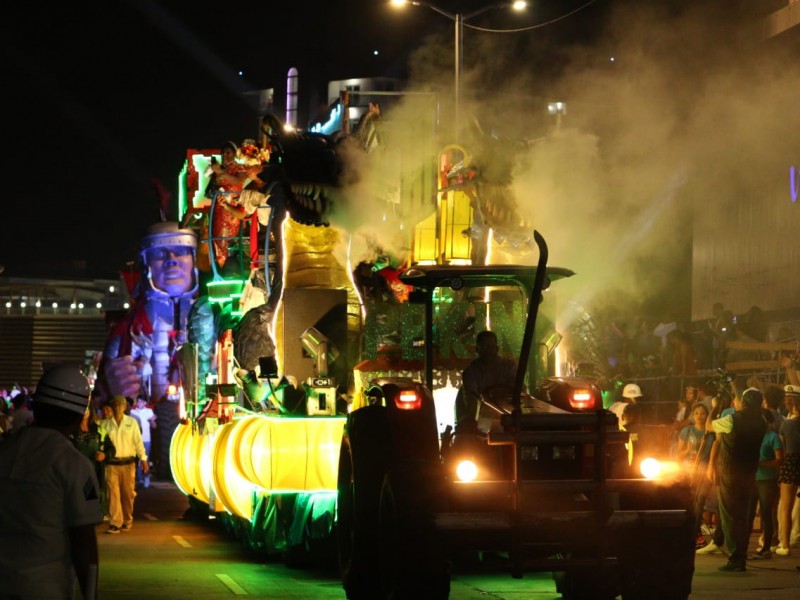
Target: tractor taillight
[
  {"x": 408, "y": 400},
  {"x": 581, "y": 399}
]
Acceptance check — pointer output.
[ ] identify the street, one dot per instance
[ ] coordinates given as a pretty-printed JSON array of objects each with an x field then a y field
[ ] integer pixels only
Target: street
[{"x": 164, "y": 556}]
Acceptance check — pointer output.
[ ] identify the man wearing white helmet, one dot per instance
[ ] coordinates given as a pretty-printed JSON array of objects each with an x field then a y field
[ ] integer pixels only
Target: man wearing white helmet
[
  {"x": 631, "y": 394},
  {"x": 49, "y": 500}
]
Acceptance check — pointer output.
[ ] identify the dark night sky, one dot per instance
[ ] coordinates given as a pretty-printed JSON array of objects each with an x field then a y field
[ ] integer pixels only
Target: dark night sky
[{"x": 102, "y": 98}]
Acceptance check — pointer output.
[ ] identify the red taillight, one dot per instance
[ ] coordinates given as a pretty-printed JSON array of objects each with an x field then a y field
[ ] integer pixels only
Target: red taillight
[
  {"x": 581, "y": 399},
  {"x": 408, "y": 400}
]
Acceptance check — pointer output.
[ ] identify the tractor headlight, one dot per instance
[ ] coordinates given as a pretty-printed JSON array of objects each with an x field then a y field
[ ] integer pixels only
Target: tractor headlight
[
  {"x": 650, "y": 468},
  {"x": 466, "y": 470}
]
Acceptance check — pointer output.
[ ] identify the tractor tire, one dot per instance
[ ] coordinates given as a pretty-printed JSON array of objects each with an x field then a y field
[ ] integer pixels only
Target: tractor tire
[
  {"x": 413, "y": 559},
  {"x": 644, "y": 574},
  {"x": 363, "y": 462}
]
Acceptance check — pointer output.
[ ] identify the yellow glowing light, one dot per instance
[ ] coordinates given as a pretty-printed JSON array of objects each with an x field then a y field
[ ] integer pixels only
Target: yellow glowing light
[
  {"x": 652, "y": 468},
  {"x": 256, "y": 454},
  {"x": 467, "y": 470},
  {"x": 231, "y": 488},
  {"x": 284, "y": 269},
  {"x": 191, "y": 462}
]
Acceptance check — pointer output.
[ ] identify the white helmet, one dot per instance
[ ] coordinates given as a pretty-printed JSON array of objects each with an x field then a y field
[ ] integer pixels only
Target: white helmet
[
  {"x": 631, "y": 391},
  {"x": 65, "y": 387}
]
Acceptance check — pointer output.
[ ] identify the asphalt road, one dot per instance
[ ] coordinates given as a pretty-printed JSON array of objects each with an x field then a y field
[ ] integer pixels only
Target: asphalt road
[{"x": 164, "y": 556}]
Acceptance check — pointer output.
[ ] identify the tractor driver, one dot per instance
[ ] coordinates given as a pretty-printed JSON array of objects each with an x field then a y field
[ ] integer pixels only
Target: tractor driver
[{"x": 489, "y": 370}]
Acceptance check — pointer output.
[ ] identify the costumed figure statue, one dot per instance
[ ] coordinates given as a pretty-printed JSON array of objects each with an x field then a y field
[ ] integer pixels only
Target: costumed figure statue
[{"x": 139, "y": 358}]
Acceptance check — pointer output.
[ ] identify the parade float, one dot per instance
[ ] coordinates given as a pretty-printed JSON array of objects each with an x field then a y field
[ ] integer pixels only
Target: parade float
[{"x": 289, "y": 326}]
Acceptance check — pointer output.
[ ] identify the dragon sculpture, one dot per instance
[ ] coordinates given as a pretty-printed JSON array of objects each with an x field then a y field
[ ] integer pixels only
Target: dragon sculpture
[{"x": 309, "y": 176}]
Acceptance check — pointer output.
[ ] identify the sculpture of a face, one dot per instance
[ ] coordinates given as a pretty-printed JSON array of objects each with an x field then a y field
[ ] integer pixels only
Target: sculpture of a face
[{"x": 171, "y": 269}]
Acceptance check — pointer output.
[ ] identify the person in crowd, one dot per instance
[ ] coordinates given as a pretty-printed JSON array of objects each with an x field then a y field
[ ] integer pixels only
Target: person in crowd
[
  {"x": 20, "y": 416},
  {"x": 774, "y": 397},
  {"x": 722, "y": 331},
  {"x": 645, "y": 348},
  {"x": 684, "y": 414},
  {"x": 49, "y": 497},
  {"x": 106, "y": 412},
  {"x": 489, "y": 370},
  {"x": 706, "y": 394},
  {"x": 631, "y": 394},
  {"x": 683, "y": 360},
  {"x": 93, "y": 442},
  {"x": 773, "y": 403},
  {"x": 733, "y": 465},
  {"x": 121, "y": 470},
  {"x": 147, "y": 421},
  {"x": 754, "y": 324},
  {"x": 789, "y": 364},
  {"x": 769, "y": 460},
  {"x": 629, "y": 418},
  {"x": 693, "y": 451},
  {"x": 617, "y": 346},
  {"x": 5, "y": 419},
  {"x": 789, "y": 477}
]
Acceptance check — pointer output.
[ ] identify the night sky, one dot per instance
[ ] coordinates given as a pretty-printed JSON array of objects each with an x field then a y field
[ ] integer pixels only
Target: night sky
[{"x": 101, "y": 99}]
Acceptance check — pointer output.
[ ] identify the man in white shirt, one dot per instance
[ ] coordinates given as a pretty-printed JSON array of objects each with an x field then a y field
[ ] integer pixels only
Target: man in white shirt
[
  {"x": 121, "y": 469},
  {"x": 49, "y": 499},
  {"x": 147, "y": 421}
]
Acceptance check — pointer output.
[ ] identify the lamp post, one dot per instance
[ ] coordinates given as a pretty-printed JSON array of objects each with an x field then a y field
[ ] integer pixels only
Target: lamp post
[{"x": 458, "y": 20}]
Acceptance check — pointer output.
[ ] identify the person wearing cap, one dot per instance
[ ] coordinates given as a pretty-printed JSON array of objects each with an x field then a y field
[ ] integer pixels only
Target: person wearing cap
[
  {"x": 733, "y": 464},
  {"x": 124, "y": 432},
  {"x": 631, "y": 394},
  {"x": 789, "y": 476},
  {"x": 49, "y": 497}
]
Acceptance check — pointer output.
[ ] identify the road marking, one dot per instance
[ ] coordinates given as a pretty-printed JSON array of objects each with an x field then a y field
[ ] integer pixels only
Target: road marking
[
  {"x": 150, "y": 517},
  {"x": 231, "y": 584},
  {"x": 181, "y": 541}
]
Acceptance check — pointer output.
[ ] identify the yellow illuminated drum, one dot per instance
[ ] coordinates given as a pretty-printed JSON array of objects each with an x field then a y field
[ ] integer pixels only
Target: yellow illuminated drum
[
  {"x": 190, "y": 461},
  {"x": 285, "y": 454},
  {"x": 231, "y": 488}
]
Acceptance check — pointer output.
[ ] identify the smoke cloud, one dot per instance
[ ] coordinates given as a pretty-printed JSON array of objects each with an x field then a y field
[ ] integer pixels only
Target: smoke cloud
[{"x": 691, "y": 112}]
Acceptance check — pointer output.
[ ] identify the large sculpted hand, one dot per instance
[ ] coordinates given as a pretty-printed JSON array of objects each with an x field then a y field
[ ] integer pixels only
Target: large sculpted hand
[{"x": 123, "y": 376}]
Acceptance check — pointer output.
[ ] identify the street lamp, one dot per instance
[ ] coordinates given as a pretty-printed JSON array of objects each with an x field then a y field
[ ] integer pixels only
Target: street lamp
[{"x": 459, "y": 19}]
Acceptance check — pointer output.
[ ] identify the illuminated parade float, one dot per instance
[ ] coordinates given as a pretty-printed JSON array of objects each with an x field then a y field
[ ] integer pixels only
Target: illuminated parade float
[
  {"x": 289, "y": 329},
  {"x": 304, "y": 329}
]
